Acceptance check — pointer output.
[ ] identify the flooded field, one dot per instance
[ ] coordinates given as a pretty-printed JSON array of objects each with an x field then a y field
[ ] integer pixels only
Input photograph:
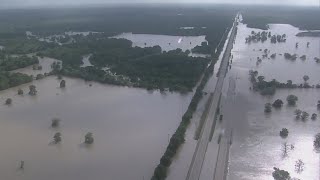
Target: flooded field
[
  {"x": 257, "y": 146},
  {"x": 166, "y": 42},
  {"x": 280, "y": 68},
  {"x": 130, "y": 127}
]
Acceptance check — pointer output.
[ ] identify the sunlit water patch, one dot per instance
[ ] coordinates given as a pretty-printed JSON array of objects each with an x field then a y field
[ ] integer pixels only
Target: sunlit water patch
[{"x": 166, "y": 42}]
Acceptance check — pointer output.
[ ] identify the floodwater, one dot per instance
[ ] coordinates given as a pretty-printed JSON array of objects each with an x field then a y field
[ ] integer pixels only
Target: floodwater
[
  {"x": 85, "y": 60},
  {"x": 280, "y": 68},
  {"x": 130, "y": 127},
  {"x": 257, "y": 146},
  {"x": 166, "y": 42},
  {"x": 45, "y": 62}
]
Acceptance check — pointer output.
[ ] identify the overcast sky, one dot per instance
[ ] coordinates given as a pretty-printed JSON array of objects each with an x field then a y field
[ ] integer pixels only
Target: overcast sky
[{"x": 31, "y": 3}]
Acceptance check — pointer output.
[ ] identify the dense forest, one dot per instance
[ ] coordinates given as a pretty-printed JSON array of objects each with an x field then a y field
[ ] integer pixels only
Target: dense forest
[
  {"x": 211, "y": 21},
  {"x": 305, "y": 18},
  {"x": 8, "y": 63}
]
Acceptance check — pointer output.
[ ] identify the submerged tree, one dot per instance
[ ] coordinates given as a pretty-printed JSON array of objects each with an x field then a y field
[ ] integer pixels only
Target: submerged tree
[
  {"x": 57, "y": 138},
  {"x": 32, "y": 90},
  {"x": 314, "y": 116},
  {"x": 9, "y": 101},
  {"x": 305, "y": 78},
  {"x": 292, "y": 99},
  {"x": 63, "y": 84},
  {"x": 316, "y": 141},
  {"x": 55, "y": 122},
  {"x": 304, "y": 115},
  {"x": 88, "y": 138},
  {"x": 284, "y": 132},
  {"x": 267, "y": 108},
  {"x": 20, "y": 92},
  {"x": 298, "y": 112},
  {"x": 277, "y": 103},
  {"x": 280, "y": 174},
  {"x": 299, "y": 166}
]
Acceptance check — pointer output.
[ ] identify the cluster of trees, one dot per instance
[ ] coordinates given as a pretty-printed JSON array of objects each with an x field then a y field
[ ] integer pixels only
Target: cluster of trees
[
  {"x": 263, "y": 36},
  {"x": 317, "y": 59},
  {"x": 269, "y": 87},
  {"x": 257, "y": 37},
  {"x": 142, "y": 67},
  {"x": 303, "y": 115},
  {"x": 203, "y": 49},
  {"x": 278, "y": 38},
  {"x": 9, "y": 63},
  {"x": 8, "y": 80},
  {"x": 289, "y": 56},
  {"x": 276, "y": 104},
  {"x": 279, "y": 174},
  {"x": 23, "y": 45}
]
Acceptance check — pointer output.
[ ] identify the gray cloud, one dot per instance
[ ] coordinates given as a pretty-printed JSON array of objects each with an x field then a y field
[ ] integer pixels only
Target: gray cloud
[{"x": 30, "y": 3}]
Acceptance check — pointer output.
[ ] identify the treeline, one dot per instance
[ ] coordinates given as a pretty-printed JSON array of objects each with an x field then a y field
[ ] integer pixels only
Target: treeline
[
  {"x": 9, "y": 63},
  {"x": 269, "y": 87},
  {"x": 302, "y": 17},
  {"x": 23, "y": 45},
  {"x": 8, "y": 80},
  {"x": 211, "y": 21}
]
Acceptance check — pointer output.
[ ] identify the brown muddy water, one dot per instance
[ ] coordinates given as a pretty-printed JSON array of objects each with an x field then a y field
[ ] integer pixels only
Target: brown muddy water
[
  {"x": 130, "y": 127},
  {"x": 257, "y": 146}
]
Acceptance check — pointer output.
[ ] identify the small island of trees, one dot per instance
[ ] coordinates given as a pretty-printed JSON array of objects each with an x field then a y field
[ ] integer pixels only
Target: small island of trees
[
  {"x": 277, "y": 103},
  {"x": 292, "y": 100},
  {"x": 55, "y": 122},
  {"x": 316, "y": 142},
  {"x": 267, "y": 108},
  {"x": 20, "y": 92},
  {"x": 284, "y": 132},
  {"x": 57, "y": 138},
  {"x": 88, "y": 138},
  {"x": 279, "y": 174},
  {"x": 63, "y": 84},
  {"x": 32, "y": 90},
  {"x": 8, "y": 101}
]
